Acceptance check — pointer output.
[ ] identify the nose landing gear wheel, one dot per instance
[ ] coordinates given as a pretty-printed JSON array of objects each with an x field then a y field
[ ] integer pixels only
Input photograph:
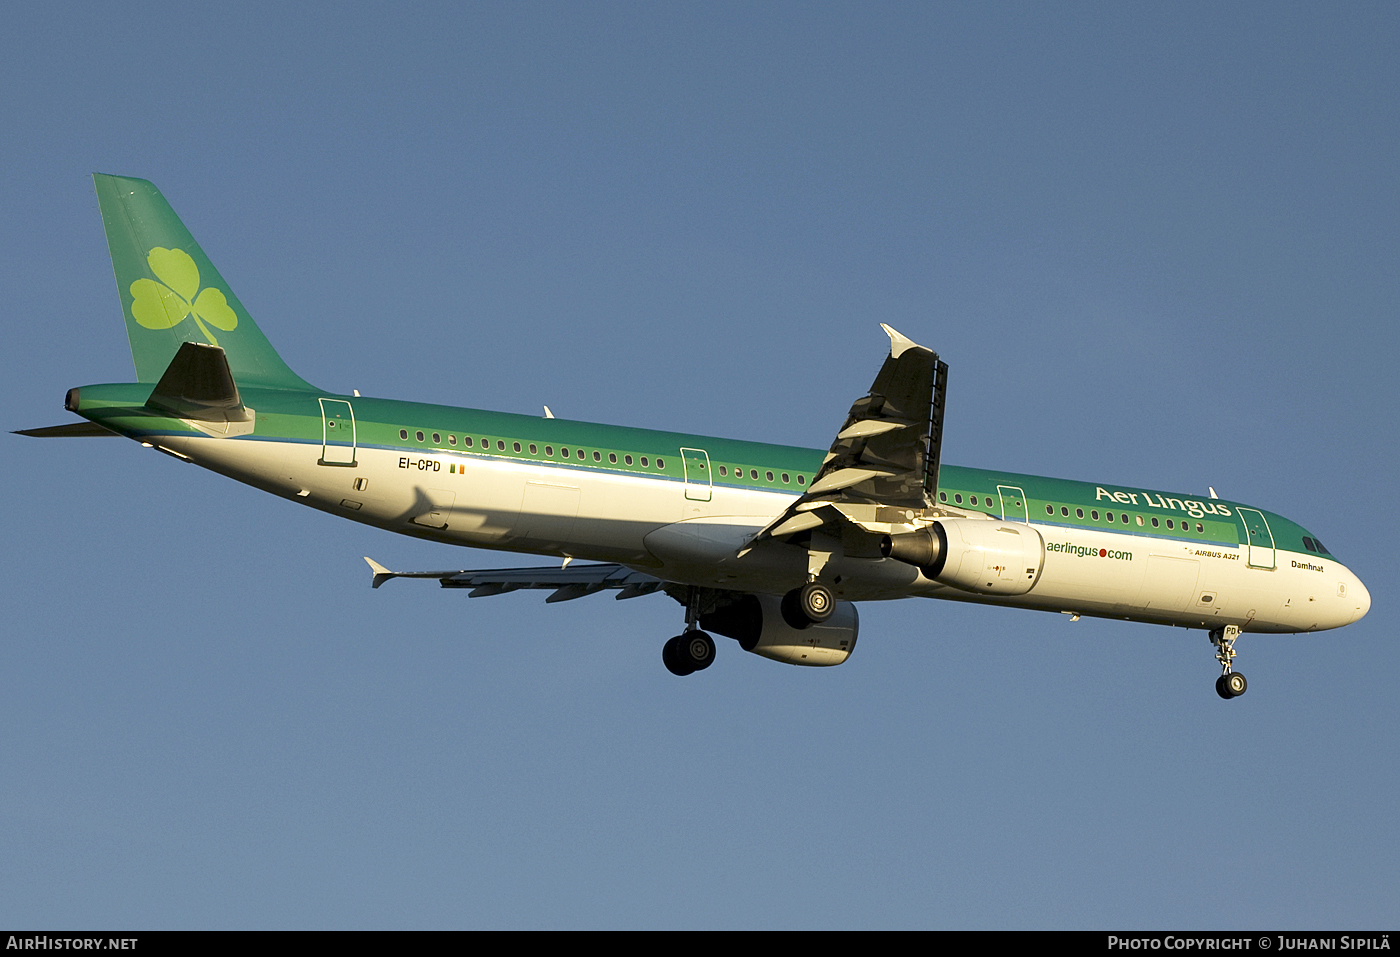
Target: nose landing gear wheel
[
  {"x": 1231, "y": 686},
  {"x": 688, "y": 653}
]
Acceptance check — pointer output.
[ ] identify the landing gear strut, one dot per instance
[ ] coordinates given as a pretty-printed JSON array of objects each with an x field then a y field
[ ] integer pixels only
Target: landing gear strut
[
  {"x": 694, "y": 650},
  {"x": 1231, "y": 683}
]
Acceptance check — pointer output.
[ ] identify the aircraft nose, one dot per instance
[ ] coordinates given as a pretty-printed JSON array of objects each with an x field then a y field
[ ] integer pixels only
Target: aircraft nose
[{"x": 1361, "y": 597}]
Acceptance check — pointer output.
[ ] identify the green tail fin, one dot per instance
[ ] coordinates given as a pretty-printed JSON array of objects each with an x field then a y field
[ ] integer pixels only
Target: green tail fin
[{"x": 172, "y": 294}]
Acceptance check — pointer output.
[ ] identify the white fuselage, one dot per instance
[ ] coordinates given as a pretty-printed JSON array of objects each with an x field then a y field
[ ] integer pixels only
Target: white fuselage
[{"x": 661, "y": 526}]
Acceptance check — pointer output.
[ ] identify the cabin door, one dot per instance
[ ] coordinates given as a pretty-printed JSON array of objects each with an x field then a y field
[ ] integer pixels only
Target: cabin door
[
  {"x": 1259, "y": 536},
  {"x": 337, "y": 433}
]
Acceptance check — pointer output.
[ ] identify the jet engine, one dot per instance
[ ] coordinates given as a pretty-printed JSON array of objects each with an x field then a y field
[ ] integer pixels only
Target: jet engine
[
  {"x": 756, "y": 622},
  {"x": 986, "y": 557}
]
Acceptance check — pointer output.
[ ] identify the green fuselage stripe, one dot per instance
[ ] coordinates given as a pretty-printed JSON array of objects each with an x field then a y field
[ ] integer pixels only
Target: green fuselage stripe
[{"x": 288, "y": 416}]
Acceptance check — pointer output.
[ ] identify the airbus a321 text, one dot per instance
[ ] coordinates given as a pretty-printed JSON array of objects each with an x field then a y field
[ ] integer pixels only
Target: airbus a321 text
[{"x": 770, "y": 545}]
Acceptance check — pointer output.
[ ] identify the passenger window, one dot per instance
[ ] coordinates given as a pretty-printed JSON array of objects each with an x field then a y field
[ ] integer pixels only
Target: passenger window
[
  {"x": 958, "y": 498},
  {"x": 452, "y": 440},
  {"x": 1171, "y": 524},
  {"x": 500, "y": 445},
  {"x": 403, "y": 433},
  {"x": 1079, "y": 513},
  {"x": 1139, "y": 521},
  {"x": 419, "y": 436},
  {"x": 580, "y": 453},
  {"x": 723, "y": 470},
  {"x": 533, "y": 450},
  {"x": 753, "y": 474},
  {"x": 644, "y": 461},
  {"x": 801, "y": 480},
  {"x": 612, "y": 458},
  {"x": 1154, "y": 522},
  {"x": 467, "y": 441},
  {"x": 1064, "y": 511},
  {"x": 627, "y": 459},
  {"x": 1108, "y": 516},
  {"x": 660, "y": 463},
  {"x": 516, "y": 446},
  {"x": 597, "y": 456},
  {"x": 437, "y": 439},
  {"x": 786, "y": 480},
  {"x": 769, "y": 476},
  {"x": 943, "y": 496},
  {"x": 549, "y": 450},
  {"x": 1049, "y": 510},
  {"x": 1199, "y": 527}
]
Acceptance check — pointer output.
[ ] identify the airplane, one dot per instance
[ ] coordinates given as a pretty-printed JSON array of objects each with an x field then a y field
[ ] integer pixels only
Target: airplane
[{"x": 770, "y": 545}]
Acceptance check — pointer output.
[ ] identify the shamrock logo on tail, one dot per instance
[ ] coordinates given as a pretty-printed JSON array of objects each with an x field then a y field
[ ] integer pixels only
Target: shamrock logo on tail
[{"x": 165, "y": 304}]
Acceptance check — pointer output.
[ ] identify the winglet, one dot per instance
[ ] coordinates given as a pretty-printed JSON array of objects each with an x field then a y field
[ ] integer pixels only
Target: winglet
[
  {"x": 381, "y": 574},
  {"x": 899, "y": 344}
]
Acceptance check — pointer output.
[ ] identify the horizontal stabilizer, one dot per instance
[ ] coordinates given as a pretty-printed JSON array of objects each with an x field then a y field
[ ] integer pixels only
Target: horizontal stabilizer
[
  {"x": 72, "y": 430},
  {"x": 198, "y": 385}
]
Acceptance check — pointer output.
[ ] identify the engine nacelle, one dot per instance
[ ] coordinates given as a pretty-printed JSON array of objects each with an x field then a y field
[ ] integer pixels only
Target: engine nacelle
[
  {"x": 756, "y": 622},
  {"x": 989, "y": 558}
]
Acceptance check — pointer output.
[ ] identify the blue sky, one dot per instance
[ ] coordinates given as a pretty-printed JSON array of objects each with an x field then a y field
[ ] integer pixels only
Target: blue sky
[{"x": 1156, "y": 244}]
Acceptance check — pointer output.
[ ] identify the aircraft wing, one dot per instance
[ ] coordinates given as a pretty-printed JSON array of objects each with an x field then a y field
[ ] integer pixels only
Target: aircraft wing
[
  {"x": 886, "y": 454},
  {"x": 569, "y": 582}
]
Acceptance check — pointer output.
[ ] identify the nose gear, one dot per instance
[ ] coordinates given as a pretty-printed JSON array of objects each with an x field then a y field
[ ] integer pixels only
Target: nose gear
[{"x": 1231, "y": 683}]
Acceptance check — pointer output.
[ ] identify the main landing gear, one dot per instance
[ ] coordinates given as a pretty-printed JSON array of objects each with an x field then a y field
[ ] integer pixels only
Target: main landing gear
[
  {"x": 688, "y": 653},
  {"x": 1231, "y": 683},
  {"x": 808, "y": 605},
  {"x": 693, "y": 650}
]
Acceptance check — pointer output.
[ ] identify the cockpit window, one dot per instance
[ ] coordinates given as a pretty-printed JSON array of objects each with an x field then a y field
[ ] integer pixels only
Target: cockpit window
[
  {"x": 1321, "y": 547},
  {"x": 1308, "y": 544}
]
